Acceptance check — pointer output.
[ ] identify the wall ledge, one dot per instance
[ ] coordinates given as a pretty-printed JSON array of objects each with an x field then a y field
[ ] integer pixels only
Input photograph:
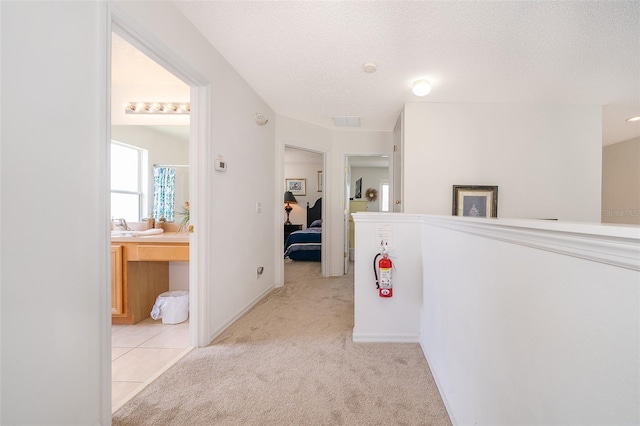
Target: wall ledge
[
  {"x": 376, "y": 217},
  {"x": 614, "y": 245}
]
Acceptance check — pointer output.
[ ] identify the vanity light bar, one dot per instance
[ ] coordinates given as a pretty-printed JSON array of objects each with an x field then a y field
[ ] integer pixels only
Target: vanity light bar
[{"x": 157, "y": 108}]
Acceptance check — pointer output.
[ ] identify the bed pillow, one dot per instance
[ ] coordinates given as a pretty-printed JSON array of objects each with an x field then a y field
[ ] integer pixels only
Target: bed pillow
[{"x": 316, "y": 224}]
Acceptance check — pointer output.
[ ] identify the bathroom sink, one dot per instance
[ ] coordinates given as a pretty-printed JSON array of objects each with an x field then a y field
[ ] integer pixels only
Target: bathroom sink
[{"x": 120, "y": 233}]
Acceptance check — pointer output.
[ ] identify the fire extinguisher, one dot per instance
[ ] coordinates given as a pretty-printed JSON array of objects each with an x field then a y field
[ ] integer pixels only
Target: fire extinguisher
[{"x": 382, "y": 272}]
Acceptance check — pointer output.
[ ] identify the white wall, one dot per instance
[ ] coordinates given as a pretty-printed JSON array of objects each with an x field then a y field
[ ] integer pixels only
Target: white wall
[
  {"x": 522, "y": 322},
  {"x": 54, "y": 221},
  {"x": 395, "y": 319},
  {"x": 371, "y": 177},
  {"x": 621, "y": 182},
  {"x": 532, "y": 322},
  {"x": 545, "y": 159},
  {"x": 57, "y": 298}
]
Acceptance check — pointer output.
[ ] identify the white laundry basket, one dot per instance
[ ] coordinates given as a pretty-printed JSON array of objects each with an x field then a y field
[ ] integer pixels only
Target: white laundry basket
[{"x": 172, "y": 307}]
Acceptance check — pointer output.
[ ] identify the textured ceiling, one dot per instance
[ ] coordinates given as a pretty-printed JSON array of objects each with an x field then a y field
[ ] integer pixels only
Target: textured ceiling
[{"x": 305, "y": 58}]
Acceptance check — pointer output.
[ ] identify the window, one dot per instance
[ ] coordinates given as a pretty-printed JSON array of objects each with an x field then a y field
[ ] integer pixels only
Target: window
[
  {"x": 127, "y": 172},
  {"x": 384, "y": 196}
]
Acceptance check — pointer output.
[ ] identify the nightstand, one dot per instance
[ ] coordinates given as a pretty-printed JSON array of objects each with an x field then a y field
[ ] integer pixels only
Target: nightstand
[{"x": 288, "y": 229}]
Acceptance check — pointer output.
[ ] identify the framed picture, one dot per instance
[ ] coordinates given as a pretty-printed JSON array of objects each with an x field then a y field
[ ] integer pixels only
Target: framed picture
[
  {"x": 296, "y": 186},
  {"x": 319, "y": 180},
  {"x": 475, "y": 201},
  {"x": 358, "y": 193}
]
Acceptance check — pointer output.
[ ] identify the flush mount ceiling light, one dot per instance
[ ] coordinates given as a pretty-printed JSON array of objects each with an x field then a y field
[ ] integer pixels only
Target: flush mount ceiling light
[
  {"x": 421, "y": 87},
  {"x": 632, "y": 119},
  {"x": 157, "y": 108},
  {"x": 369, "y": 67}
]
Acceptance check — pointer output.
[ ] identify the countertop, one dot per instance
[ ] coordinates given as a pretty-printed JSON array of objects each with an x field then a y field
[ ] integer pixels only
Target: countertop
[{"x": 165, "y": 237}]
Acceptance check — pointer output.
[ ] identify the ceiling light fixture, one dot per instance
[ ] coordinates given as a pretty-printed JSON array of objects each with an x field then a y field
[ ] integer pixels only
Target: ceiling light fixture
[
  {"x": 369, "y": 67},
  {"x": 421, "y": 87},
  {"x": 157, "y": 108},
  {"x": 632, "y": 119}
]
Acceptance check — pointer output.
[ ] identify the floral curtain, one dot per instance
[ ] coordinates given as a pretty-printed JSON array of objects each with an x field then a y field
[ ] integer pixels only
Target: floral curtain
[{"x": 164, "y": 193}]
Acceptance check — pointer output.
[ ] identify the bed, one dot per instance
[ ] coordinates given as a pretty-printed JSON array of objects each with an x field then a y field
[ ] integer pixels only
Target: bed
[{"x": 307, "y": 244}]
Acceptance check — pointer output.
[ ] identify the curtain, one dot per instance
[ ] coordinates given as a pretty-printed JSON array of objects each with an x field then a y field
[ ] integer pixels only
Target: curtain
[{"x": 164, "y": 193}]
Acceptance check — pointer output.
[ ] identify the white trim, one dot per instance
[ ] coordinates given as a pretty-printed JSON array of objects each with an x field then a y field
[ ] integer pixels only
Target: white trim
[
  {"x": 617, "y": 246},
  {"x": 104, "y": 215},
  {"x": 200, "y": 241},
  {"x": 441, "y": 390},
  {"x": 385, "y": 338},
  {"x": 278, "y": 249},
  {"x": 151, "y": 46}
]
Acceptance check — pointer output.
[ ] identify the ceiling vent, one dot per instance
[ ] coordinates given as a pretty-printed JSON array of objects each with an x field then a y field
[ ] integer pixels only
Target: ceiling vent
[{"x": 346, "y": 121}]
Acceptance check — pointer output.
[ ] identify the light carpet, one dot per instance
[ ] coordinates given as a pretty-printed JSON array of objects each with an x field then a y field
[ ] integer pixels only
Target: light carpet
[{"x": 291, "y": 361}]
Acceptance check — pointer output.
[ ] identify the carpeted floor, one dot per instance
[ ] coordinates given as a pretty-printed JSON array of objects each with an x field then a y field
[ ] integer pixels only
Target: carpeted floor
[{"x": 291, "y": 361}]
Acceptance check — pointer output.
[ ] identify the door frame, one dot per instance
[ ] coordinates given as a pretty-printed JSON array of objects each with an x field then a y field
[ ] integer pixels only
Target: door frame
[
  {"x": 199, "y": 175},
  {"x": 346, "y": 188},
  {"x": 279, "y": 240}
]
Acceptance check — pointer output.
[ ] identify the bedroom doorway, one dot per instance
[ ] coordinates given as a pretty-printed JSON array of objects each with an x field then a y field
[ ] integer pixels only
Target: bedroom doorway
[{"x": 302, "y": 215}]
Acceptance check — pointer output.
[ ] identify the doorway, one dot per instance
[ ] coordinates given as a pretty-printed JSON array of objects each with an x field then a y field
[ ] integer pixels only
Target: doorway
[
  {"x": 304, "y": 210},
  {"x": 367, "y": 188},
  {"x": 166, "y": 141}
]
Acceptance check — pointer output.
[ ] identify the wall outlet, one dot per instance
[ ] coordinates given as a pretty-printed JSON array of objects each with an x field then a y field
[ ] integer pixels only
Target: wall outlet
[{"x": 258, "y": 207}]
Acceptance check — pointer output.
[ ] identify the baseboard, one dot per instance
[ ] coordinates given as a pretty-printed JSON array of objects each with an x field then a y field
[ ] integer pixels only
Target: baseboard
[
  {"x": 239, "y": 314},
  {"x": 384, "y": 338},
  {"x": 443, "y": 396}
]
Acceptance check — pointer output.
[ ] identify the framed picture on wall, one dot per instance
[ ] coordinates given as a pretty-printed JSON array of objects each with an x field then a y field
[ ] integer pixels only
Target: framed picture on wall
[
  {"x": 475, "y": 201},
  {"x": 297, "y": 186},
  {"x": 358, "y": 193},
  {"x": 319, "y": 180}
]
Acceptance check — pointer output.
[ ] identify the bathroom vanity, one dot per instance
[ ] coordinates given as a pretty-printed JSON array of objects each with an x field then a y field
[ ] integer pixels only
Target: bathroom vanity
[{"x": 140, "y": 272}]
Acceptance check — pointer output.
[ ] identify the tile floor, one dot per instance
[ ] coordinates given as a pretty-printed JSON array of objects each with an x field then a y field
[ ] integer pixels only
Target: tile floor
[{"x": 140, "y": 353}]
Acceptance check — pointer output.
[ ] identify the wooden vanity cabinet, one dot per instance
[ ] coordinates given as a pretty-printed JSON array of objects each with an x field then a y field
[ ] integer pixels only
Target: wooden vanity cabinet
[
  {"x": 116, "y": 280},
  {"x": 140, "y": 273}
]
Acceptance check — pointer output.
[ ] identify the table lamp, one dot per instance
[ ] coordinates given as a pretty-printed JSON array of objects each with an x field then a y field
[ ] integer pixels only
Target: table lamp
[{"x": 289, "y": 198}]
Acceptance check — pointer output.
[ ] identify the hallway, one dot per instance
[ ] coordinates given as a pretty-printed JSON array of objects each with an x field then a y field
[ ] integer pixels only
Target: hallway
[{"x": 290, "y": 360}]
